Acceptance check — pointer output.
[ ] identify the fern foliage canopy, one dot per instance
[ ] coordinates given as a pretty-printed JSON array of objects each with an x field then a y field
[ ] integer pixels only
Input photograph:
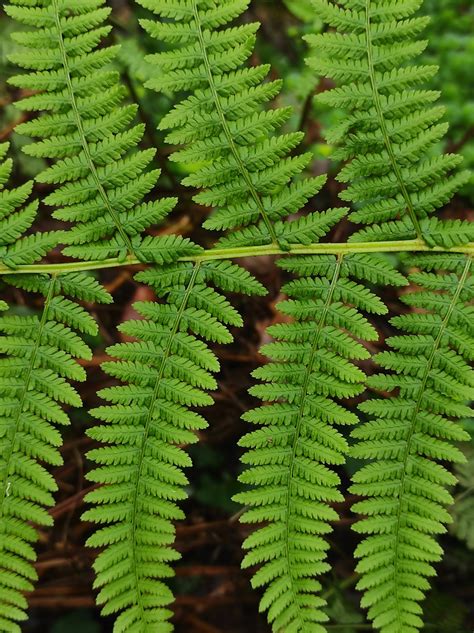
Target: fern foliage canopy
[
  {"x": 395, "y": 175},
  {"x": 292, "y": 456},
  {"x": 244, "y": 165}
]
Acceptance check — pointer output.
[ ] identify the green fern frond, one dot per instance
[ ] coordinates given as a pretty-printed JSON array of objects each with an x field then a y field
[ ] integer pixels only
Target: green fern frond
[
  {"x": 16, "y": 218},
  {"x": 101, "y": 177},
  {"x": 251, "y": 178},
  {"x": 428, "y": 373},
  {"x": 388, "y": 137},
  {"x": 38, "y": 361},
  {"x": 291, "y": 458},
  {"x": 168, "y": 370}
]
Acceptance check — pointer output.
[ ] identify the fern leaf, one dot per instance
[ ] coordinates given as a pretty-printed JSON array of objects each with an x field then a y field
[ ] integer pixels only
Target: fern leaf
[
  {"x": 406, "y": 437},
  {"x": 168, "y": 370},
  {"x": 38, "y": 360},
  {"x": 291, "y": 458},
  {"x": 101, "y": 177},
  {"x": 246, "y": 174},
  {"x": 145, "y": 421},
  {"x": 388, "y": 137},
  {"x": 16, "y": 218}
]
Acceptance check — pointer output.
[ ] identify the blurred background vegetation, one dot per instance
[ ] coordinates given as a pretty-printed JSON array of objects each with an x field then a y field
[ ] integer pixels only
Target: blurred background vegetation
[{"x": 213, "y": 594}]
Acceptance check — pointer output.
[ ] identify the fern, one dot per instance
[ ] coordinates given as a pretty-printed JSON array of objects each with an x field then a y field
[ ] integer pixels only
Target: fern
[
  {"x": 292, "y": 458},
  {"x": 38, "y": 361},
  {"x": 396, "y": 197},
  {"x": 141, "y": 464},
  {"x": 101, "y": 177},
  {"x": 95, "y": 177},
  {"x": 252, "y": 176},
  {"x": 407, "y": 436},
  {"x": 101, "y": 180},
  {"x": 395, "y": 176},
  {"x": 16, "y": 218},
  {"x": 168, "y": 370},
  {"x": 397, "y": 181}
]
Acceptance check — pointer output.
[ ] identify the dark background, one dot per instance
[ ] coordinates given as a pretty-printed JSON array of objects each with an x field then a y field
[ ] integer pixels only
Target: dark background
[{"x": 213, "y": 595}]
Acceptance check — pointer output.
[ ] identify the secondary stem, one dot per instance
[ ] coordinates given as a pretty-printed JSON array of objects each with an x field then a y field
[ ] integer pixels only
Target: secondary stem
[{"x": 214, "y": 254}]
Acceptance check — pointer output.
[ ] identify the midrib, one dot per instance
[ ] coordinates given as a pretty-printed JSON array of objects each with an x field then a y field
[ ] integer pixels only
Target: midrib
[
  {"x": 383, "y": 126},
  {"x": 225, "y": 127},
  {"x": 85, "y": 145},
  {"x": 304, "y": 393}
]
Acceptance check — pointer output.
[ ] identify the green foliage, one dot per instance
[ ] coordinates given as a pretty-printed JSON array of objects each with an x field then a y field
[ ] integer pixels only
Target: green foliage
[
  {"x": 16, "y": 217},
  {"x": 343, "y": 612},
  {"x": 166, "y": 372},
  {"x": 394, "y": 174},
  {"x": 407, "y": 436},
  {"x": 101, "y": 176},
  {"x": 252, "y": 176},
  {"x": 232, "y": 149},
  {"x": 292, "y": 457},
  {"x": 451, "y": 47},
  {"x": 38, "y": 361},
  {"x": 303, "y": 9}
]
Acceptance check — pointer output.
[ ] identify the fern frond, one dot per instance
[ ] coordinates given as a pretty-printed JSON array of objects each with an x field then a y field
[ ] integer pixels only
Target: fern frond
[
  {"x": 388, "y": 138},
  {"x": 428, "y": 374},
  {"x": 249, "y": 176},
  {"x": 291, "y": 458},
  {"x": 16, "y": 218},
  {"x": 38, "y": 361},
  {"x": 168, "y": 370},
  {"x": 101, "y": 177}
]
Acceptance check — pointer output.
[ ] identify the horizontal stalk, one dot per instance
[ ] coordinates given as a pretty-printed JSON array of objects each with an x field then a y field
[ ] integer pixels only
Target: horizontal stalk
[{"x": 402, "y": 246}]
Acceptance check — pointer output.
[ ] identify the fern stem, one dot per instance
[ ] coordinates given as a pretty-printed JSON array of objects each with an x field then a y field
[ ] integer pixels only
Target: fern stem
[
  {"x": 226, "y": 129},
  {"x": 216, "y": 254},
  {"x": 85, "y": 145},
  {"x": 426, "y": 374},
  {"x": 299, "y": 421},
  {"x": 383, "y": 127},
  {"x": 146, "y": 434},
  {"x": 5, "y": 489}
]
